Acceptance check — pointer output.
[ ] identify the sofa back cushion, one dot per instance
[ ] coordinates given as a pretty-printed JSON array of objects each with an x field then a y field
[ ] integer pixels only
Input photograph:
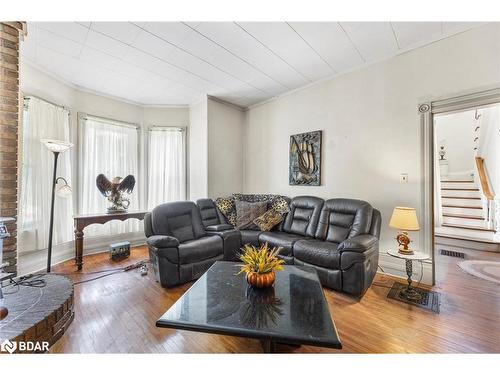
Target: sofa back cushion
[
  {"x": 208, "y": 212},
  {"x": 303, "y": 216},
  {"x": 341, "y": 219},
  {"x": 181, "y": 220}
]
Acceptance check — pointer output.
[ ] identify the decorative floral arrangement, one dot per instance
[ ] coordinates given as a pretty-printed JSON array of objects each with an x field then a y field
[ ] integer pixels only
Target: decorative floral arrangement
[{"x": 259, "y": 264}]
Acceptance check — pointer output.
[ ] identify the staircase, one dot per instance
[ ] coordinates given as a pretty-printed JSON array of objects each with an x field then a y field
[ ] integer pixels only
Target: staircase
[{"x": 463, "y": 212}]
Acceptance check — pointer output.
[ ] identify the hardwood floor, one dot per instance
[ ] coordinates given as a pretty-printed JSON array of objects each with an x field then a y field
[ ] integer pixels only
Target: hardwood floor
[{"x": 117, "y": 314}]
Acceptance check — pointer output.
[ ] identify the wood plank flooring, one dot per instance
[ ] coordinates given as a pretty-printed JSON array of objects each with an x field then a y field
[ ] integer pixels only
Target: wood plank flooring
[{"x": 117, "y": 314}]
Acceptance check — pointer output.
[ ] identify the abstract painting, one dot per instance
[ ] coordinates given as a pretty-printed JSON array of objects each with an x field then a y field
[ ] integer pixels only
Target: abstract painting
[{"x": 305, "y": 159}]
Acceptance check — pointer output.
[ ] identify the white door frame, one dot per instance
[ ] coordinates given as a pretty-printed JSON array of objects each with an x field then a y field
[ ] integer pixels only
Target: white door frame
[{"x": 427, "y": 110}]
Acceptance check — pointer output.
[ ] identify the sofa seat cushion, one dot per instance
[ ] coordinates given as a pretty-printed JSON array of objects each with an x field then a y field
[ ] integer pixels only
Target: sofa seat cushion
[
  {"x": 280, "y": 239},
  {"x": 250, "y": 237},
  {"x": 319, "y": 253},
  {"x": 200, "y": 249}
]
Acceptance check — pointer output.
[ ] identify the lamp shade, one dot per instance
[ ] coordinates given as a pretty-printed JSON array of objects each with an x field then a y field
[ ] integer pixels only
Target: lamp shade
[
  {"x": 55, "y": 145},
  {"x": 64, "y": 191},
  {"x": 404, "y": 218}
]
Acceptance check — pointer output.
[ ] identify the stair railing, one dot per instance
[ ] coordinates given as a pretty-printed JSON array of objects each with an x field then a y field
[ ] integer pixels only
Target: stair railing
[{"x": 487, "y": 193}]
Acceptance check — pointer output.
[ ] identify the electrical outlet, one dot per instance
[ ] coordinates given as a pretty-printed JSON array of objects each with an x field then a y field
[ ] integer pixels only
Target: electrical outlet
[{"x": 403, "y": 178}]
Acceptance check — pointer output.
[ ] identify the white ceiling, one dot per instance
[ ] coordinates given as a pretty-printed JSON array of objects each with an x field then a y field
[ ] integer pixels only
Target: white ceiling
[{"x": 177, "y": 63}]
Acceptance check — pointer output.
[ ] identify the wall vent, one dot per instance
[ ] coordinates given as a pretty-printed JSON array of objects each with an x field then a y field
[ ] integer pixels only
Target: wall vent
[{"x": 456, "y": 254}]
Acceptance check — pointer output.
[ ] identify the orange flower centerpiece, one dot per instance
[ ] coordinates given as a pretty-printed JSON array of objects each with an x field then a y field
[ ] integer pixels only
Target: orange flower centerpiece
[{"x": 260, "y": 265}]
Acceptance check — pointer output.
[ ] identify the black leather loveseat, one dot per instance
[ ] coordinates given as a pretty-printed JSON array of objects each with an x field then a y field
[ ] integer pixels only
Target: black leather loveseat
[{"x": 338, "y": 237}]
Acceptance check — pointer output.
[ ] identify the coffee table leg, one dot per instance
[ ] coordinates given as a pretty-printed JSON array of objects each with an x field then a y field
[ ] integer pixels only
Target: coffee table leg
[{"x": 268, "y": 346}]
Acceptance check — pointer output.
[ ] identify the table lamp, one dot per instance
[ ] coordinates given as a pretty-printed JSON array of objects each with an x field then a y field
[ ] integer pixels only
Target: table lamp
[{"x": 405, "y": 219}]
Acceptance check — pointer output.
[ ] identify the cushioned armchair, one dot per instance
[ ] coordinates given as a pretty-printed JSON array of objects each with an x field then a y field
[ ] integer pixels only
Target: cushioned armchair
[{"x": 179, "y": 247}]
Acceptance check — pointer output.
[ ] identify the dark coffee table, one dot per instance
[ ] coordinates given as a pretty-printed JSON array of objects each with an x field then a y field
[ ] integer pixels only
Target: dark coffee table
[{"x": 294, "y": 312}]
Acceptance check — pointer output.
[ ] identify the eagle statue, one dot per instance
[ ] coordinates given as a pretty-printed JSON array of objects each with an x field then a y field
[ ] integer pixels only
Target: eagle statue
[{"x": 114, "y": 189}]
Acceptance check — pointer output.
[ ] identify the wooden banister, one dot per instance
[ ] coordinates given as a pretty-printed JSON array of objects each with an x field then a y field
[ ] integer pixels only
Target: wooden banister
[{"x": 483, "y": 178}]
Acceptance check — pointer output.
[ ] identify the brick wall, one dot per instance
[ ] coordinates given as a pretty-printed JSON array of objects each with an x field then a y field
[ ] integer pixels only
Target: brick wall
[{"x": 10, "y": 34}]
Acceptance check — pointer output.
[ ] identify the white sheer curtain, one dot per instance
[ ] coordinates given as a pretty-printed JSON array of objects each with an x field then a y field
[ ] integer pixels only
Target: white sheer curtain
[
  {"x": 43, "y": 120},
  {"x": 110, "y": 148},
  {"x": 167, "y": 166}
]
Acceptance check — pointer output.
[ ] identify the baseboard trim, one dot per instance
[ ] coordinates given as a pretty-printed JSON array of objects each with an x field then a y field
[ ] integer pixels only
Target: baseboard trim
[
  {"x": 397, "y": 268},
  {"x": 35, "y": 261}
]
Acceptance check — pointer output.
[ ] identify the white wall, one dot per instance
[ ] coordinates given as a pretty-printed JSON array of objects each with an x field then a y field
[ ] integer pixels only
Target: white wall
[
  {"x": 35, "y": 82},
  {"x": 455, "y": 132},
  {"x": 370, "y": 125},
  {"x": 198, "y": 150},
  {"x": 225, "y": 149}
]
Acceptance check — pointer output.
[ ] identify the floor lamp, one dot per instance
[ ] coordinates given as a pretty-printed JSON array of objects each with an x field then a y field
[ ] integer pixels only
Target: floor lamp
[{"x": 57, "y": 147}]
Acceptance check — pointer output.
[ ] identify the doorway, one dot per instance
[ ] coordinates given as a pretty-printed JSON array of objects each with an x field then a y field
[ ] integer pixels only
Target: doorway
[{"x": 465, "y": 162}]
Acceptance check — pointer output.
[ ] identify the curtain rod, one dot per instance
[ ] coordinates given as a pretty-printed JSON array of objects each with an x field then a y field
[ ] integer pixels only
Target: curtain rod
[
  {"x": 28, "y": 97},
  {"x": 125, "y": 124},
  {"x": 167, "y": 129}
]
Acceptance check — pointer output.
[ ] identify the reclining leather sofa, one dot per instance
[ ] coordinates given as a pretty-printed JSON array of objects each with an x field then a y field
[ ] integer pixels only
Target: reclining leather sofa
[{"x": 338, "y": 237}]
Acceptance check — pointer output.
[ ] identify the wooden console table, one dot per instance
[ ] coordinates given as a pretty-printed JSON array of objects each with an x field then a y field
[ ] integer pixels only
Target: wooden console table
[{"x": 81, "y": 221}]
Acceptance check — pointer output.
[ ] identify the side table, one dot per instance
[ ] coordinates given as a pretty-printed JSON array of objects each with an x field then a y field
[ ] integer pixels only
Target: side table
[{"x": 409, "y": 292}]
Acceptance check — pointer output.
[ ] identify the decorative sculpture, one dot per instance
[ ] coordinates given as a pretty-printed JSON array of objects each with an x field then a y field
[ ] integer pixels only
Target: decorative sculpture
[
  {"x": 113, "y": 190},
  {"x": 442, "y": 153}
]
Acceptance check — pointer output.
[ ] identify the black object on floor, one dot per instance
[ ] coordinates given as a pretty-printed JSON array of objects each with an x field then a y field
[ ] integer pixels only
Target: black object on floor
[
  {"x": 429, "y": 300},
  {"x": 456, "y": 254}
]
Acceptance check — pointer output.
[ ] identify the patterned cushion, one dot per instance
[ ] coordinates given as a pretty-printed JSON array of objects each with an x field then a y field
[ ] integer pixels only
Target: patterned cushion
[
  {"x": 246, "y": 212},
  {"x": 227, "y": 207},
  {"x": 254, "y": 197},
  {"x": 268, "y": 220},
  {"x": 280, "y": 205},
  {"x": 276, "y": 202}
]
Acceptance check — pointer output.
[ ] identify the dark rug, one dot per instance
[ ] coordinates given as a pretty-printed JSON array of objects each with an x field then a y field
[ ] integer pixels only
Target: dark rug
[{"x": 429, "y": 301}]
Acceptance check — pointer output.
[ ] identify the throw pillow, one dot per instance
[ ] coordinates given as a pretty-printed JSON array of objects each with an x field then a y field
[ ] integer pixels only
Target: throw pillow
[
  {"x": 227, "y": 207},
  {"x": 254, "y": 197},
  {"x": 280, "y": 204},
  {"x": 247, "y": 212},
  {"x": 268, "y": 220}
]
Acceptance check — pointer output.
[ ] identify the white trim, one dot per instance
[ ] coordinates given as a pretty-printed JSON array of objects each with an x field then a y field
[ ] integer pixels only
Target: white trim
[
  {"x": 396, "y": 267},
  {"x": 427, "y": 110},
  {"x": 34, "y": 261},
  {"x": 222, "y": 101}
]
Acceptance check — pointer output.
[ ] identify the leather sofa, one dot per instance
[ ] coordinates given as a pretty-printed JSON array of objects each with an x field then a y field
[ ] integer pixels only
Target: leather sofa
[{"x": 338, "y": 237}]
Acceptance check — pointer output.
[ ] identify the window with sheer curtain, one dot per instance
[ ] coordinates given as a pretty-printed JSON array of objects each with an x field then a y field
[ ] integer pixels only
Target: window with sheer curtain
[
  {"x": 166, "y": 165},
  {"x": 43, "y": 120},
  {"x": 108, "y": 147}
]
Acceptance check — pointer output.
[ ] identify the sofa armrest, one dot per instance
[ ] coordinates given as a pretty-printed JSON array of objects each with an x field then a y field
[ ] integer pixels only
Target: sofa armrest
[
  {"x": 359, "y": 244},
  {"x": 232, "y": 242},
  {"x": 162, "y": 241},
  {"x": 218, "y": 227}
]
